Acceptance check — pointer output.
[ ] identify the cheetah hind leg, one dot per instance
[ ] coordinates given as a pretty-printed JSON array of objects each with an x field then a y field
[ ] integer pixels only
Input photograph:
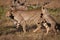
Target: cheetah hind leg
[
  {"x": 47, "y": 28},
  {"x": 38, "y": 27}
]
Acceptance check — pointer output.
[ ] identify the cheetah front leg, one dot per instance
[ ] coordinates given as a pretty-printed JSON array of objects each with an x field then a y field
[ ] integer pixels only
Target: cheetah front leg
[
  {"x": 17, "y": 25},
  {"x": 24, "y": 26}
]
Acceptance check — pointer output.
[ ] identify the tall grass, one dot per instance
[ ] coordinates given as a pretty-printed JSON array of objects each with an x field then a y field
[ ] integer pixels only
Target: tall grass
[
  {"x": 55, "y": 11},
  {"x": 2, "y": 11}
]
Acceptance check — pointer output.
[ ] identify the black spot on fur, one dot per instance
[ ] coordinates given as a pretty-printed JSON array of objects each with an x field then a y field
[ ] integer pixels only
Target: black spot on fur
[
  {"x": 11, "y": 16},
  {"x": 43, "y": 8},
  {"x": 41, "y": 15},
  {"x": 49, "y": 24},
  {"x": 18, "y": 2},
  {"x": 12, "y": 6},
  {"x": 58, "y": 26},
  {"x": 22, "y": 4},
  {"x": 15, "y": 0},
  {"x": 38, "y": 23}
]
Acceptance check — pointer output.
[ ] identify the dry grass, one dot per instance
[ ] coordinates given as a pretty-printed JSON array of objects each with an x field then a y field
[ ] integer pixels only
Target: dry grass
[{"x": 29, "y": 36}]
